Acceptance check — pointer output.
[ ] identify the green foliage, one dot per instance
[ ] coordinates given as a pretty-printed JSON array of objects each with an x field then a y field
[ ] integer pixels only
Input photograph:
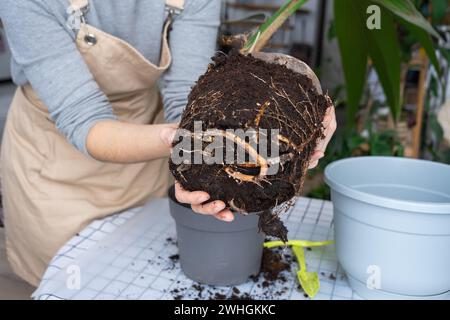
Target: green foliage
[
  {"x": 354, "y": 51},
  {"x": 406, "y": 10},
  {"x": 321, "y": 192},
  {"x": 437, "y": 153},
  {"x": 259, "y": 39},
  {"x": 347, "y": 143},
  {"x": 440, "y": 8},
  {"x": 425, "y": 40},
  {"x": 358, "y": 43},
  {"x": 402, "y": 27}
]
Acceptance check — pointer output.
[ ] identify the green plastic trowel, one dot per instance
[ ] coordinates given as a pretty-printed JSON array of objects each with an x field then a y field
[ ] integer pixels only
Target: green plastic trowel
[{"x": 308, "y": 280}]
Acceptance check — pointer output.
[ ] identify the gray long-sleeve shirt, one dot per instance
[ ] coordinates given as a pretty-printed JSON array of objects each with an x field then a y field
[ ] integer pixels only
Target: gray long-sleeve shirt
[{"x": 45, "y": 54}]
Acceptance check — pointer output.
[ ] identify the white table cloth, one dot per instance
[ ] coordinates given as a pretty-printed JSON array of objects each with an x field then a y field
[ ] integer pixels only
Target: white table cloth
[{"x": 131, "y": 256}]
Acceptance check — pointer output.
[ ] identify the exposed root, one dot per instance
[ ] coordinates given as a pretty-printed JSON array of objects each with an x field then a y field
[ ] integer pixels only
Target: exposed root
[
  {"x": 241, "y": 177},
  {"x": 261, "y": 112},
  {"x": 236, "y": 208},
  {"x": 255, "y": 76},
  {"x": 261, "y": 162},
  {"x": 281, "y": 160}
]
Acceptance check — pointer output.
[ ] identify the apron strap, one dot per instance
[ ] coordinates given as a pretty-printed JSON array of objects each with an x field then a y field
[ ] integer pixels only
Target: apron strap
[
  {"x": 175, "y": 4},
  {"x": 79, "y": 4},
  {"x": 173, "y": 8}
]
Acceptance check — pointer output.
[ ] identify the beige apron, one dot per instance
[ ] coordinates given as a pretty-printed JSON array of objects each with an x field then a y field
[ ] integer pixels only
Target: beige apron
[{"x": 51, "y": 191}]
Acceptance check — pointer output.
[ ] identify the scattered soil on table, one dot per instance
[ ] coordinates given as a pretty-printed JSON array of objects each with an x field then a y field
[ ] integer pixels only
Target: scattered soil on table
[
  {"x": 177, "y": 294},
  {"x": 273, "y": 265},
  {"x": 171, "y": 240},
  {"x": 220, "y": 296},
  {"x": 242, "y": 92},
  {"x": 244, "y": 296},
  {"x": 331, "y": 276}
]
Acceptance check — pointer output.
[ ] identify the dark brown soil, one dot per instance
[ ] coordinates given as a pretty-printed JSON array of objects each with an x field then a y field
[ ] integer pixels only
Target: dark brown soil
[
  {"x": 242, "y": 92},
  {"x": 273, "y": 265},
  {"x": 272, "y": 225}
]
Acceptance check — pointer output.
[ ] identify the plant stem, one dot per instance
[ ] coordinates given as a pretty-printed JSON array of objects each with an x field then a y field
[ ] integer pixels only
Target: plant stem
[{"x": 260, "y": 38}]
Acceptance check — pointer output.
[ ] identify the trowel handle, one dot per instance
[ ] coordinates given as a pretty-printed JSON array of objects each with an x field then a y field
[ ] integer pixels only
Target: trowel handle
[
  {"x": 298, "y": 243},
  {"x": 300, "y": 255}
]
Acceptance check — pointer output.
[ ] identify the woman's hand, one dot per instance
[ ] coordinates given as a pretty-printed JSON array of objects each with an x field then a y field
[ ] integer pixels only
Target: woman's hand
[
  {"x": 330, "y": 125},
  {"x": 198, "y": 199}
]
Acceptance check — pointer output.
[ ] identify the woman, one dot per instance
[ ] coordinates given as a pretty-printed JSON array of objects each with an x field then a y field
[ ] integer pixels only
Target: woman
[{"x": 85, "y": 135}]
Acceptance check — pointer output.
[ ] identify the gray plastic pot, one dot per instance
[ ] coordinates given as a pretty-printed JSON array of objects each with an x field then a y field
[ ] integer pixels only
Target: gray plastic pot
[
  {"x": 392, "y": 226},
  {"x": 215, "y": 252}
]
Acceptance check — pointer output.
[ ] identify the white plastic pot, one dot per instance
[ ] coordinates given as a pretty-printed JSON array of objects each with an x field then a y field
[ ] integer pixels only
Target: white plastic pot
[{"x": 392, "y": 226}]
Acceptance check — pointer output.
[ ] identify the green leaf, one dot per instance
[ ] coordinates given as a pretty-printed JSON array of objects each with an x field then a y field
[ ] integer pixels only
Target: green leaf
[
  {"x": 384, "y": 49},
  {"x": 433, "y": 86},
  {"x": 384, "y": 143},
  {"x": 350, "y": 28},
  {"x": 445, "y": 53},
  {"x": 406, "y": 10},
  {"x": 355, "y": 141},
  {"x": 425, "y": 40},
  {"x": 439, "y": 9},
  {"x": 435, "y": 128},
  {"x": 260, "y": 38},
  {"x": 331, "y": 34}
]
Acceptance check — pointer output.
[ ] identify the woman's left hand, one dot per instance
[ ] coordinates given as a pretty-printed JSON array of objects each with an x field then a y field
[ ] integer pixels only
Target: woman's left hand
[
  {"x": 197, "y": 199},
  {"x": 330, "y": 125}
]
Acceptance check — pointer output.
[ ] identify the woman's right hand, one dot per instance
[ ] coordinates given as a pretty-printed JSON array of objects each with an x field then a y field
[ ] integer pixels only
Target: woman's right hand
[{"x": 198, "y": 201}]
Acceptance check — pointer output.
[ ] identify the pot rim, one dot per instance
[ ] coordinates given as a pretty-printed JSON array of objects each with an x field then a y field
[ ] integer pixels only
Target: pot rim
[
  {"x": 386, "y": 202},
  {"x": 184, "y": 215}
]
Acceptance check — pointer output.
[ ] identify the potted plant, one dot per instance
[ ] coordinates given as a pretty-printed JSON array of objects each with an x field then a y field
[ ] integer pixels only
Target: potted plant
[{"x": 276, "y": 102}]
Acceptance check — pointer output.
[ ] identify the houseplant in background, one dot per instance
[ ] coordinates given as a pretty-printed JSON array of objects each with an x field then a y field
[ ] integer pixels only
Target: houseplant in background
[{"x": 385, "y": 55}]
